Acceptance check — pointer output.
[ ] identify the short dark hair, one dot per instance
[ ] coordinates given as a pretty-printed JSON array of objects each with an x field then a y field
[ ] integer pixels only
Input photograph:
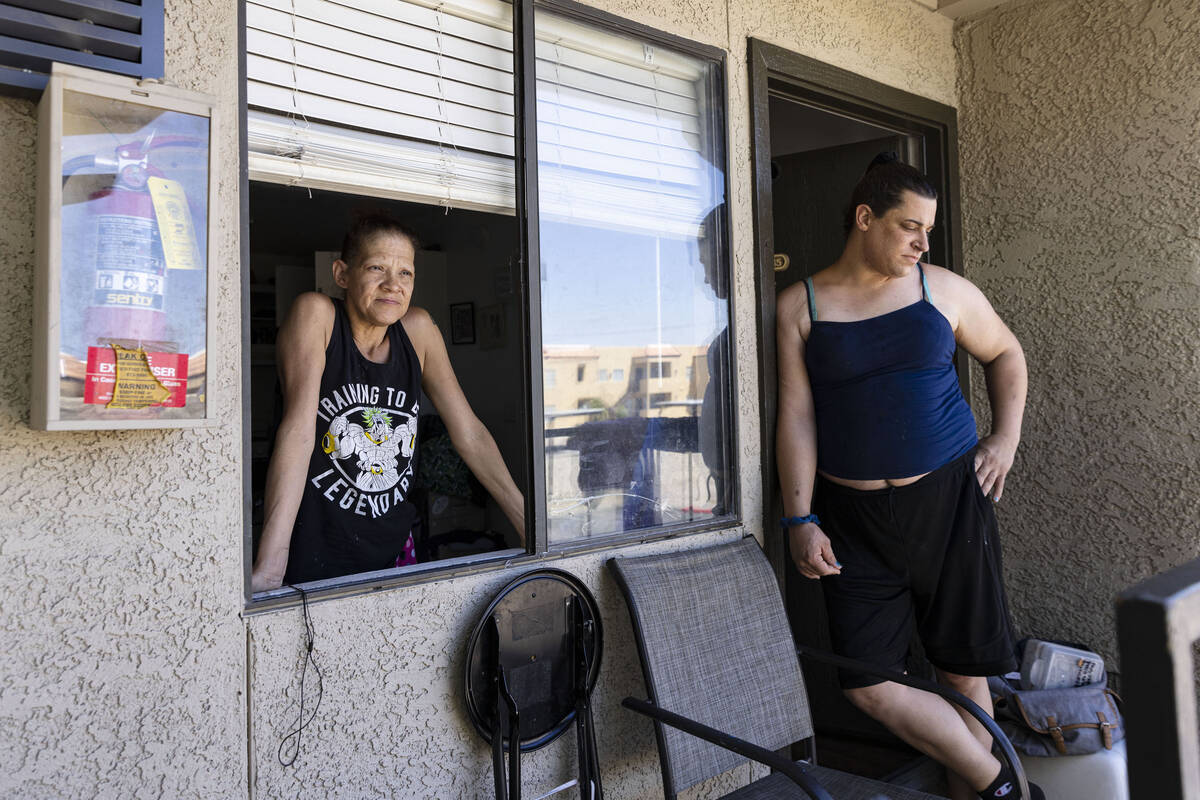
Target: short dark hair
[
  {"x": 368, "y": 224},
  {"x": 886, "y": 178}
]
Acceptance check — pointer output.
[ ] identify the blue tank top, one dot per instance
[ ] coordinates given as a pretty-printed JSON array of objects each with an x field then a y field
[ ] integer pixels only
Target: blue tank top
[{"x": 885, "y": 392}]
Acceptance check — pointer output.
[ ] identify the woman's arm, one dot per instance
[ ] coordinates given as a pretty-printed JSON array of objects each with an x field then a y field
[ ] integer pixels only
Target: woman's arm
[
  {"x": 300, "y": 351},
  {"x": 471, "y": 439},
  {"x": 984, "y": 335},
  {"x": 796, "y": 438}
]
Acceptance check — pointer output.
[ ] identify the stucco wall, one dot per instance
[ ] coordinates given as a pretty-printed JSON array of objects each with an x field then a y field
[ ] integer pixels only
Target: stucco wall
[
  {"x": 1080, "y": 164},
  {"x": 129, "y": 670},
  {"x": 896, "y": 42},
  {"x": 393, "y": 722},
  {"x": 120, "y": 553}
]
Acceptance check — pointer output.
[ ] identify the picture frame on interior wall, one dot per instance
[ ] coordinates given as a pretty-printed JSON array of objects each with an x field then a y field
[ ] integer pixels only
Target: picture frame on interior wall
[
  {"x": 125, "y": 219},
  {"x": 491, "y": 327},
  {"x": 462, "y": 323}
]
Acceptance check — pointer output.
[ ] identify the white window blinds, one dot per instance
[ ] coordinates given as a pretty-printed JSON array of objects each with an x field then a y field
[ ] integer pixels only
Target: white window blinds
[
  {"x": 621, "y": 131},
  {"x": 432, "y": 86},
  {"x": 412, "y": 99}
]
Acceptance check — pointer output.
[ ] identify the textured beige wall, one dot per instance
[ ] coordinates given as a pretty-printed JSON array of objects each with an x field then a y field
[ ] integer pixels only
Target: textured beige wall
[
  {"x": 896, "y": 42},
  {"x": 1080, "y": 164},
  {"x": 120, "y": 553},
  {"x": 128, "y": 665},
  {"x": 393, "y": 722}
]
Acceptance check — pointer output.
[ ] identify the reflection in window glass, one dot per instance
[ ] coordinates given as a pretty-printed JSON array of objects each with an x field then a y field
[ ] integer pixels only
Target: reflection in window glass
[
  {"x": 134, "y": 256},
  {"x": 631, "y": 189}
]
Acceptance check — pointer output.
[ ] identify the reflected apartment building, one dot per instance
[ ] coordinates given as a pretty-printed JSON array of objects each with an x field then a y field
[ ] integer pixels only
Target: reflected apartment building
[
  {"x": 624, "y": 434},
  {"x": 592, "y": 382}
]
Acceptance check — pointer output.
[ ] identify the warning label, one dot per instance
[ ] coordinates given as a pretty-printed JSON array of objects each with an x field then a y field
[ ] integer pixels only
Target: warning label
[{"x": 118, "y": 377}]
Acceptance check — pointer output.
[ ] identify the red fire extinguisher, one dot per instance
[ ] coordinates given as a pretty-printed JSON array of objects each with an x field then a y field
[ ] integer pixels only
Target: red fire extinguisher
[{"x": 128, "y": 297}]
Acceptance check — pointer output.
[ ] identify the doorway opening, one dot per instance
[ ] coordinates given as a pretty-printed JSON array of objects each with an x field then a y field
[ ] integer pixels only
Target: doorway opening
[
  {"x": 817, "y": 157},
  {"x": 816, "y": 128}
]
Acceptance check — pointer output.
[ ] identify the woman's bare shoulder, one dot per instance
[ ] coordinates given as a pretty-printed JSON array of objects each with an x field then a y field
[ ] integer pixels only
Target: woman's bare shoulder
[
  {"x": 418, "y": 322},
  {"x": 792, "y": 300},
  {"x": 942, "y": 277},
  {"x": 312, "y": 307},
  {"x": 422, "y": 331},
  {"x": 950, "y": 287}
]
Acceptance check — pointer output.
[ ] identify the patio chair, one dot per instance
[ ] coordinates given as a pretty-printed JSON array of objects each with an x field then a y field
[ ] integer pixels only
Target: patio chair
[
  {"x": 532, "y": 663},
  {"x": 724, "y": 680}
]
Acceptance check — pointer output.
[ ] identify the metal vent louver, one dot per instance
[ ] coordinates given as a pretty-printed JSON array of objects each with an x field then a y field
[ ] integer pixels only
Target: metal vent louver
[{"x": 121, "y": 36}]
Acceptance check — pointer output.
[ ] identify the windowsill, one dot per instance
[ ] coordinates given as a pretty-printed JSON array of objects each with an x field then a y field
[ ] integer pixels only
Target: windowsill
[{"x": 384, "y": 580}]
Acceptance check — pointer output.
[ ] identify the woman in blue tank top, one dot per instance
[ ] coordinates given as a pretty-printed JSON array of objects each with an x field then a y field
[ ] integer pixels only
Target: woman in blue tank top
[
  {"x": 352, "y": 372},
  {"x": 887, "y": 492}
]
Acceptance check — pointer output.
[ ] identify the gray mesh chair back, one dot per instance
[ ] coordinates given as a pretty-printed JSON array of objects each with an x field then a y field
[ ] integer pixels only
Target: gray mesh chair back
[{"x": 736, "y": 672}]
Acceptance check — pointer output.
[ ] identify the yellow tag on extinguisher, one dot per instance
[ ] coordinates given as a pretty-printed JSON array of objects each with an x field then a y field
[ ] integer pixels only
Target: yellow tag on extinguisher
[
  {"x": 136, "y": 386},
  {"x": 175, "y": 228}
]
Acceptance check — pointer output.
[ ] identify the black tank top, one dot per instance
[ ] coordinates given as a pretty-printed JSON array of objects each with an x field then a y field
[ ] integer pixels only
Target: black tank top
[{"x": 354, "y": 515}]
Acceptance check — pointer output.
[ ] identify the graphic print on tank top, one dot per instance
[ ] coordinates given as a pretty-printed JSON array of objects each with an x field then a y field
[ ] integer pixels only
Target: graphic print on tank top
[{"x": 370, "y": 441}]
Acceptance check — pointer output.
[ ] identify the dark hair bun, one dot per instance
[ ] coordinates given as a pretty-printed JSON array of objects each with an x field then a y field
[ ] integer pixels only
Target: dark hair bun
[
  {"x": 882, "y": 186},
  {"x": 886, "y": 157}
]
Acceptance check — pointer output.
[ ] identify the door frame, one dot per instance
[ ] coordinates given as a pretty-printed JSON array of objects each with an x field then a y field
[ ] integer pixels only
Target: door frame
[{"x": 777, "y": 71}]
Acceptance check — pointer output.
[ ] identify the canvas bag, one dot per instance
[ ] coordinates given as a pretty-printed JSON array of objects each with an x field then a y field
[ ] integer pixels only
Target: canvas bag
[{"x": 1058, "y": 722}]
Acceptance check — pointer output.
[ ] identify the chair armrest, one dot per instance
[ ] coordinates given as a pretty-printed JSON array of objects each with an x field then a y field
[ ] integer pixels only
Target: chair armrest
[
  {"x": 1007, "y": 752},
  {"x": 750, "y": 750}
]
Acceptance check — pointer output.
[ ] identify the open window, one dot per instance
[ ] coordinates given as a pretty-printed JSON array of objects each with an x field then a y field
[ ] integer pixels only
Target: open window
[{"x": 596, "y": 350}]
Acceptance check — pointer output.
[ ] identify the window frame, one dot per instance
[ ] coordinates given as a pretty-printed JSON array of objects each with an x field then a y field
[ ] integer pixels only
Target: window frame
[{"x": 539, "y": 548}]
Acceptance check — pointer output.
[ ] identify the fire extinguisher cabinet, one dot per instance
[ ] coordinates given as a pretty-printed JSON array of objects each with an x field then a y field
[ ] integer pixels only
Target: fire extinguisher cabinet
[{"x": 125, "y": 196}]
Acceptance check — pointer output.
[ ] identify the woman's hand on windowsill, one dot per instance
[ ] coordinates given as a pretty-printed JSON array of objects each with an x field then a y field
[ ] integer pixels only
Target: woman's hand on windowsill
[{"x": 264, "y": 578}]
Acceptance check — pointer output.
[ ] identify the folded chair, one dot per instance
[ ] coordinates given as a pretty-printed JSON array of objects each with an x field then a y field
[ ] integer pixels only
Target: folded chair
[{"x": 724, "y": 680}]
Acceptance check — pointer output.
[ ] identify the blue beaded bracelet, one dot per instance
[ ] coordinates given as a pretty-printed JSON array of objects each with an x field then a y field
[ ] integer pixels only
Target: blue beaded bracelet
[{"x": 788, "y": 522}]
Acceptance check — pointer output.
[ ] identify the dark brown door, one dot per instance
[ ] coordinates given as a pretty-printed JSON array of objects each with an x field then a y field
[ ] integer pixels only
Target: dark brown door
[{"x": 810, "y": 193}]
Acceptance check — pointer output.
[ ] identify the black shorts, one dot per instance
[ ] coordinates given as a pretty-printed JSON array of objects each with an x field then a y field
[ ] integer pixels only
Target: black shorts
[{"x": 926, "y": 554}]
